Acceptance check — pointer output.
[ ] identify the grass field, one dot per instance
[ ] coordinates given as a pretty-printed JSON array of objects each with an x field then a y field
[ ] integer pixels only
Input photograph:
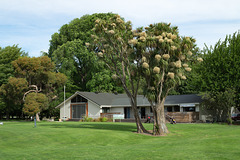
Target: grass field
[{"x": 93, "y": 140}]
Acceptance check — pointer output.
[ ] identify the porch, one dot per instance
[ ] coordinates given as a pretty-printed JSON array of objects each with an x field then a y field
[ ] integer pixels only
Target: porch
[{"x": 180, "y": 117}]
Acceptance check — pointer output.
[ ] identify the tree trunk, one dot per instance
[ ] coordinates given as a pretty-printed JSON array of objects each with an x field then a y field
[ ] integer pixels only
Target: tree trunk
[
  {"x": 37, "y": 116},
  {"x": 154, "y": 121},
  {"x": 160, "y": 127},
  {"x": 140, "y": 127}
]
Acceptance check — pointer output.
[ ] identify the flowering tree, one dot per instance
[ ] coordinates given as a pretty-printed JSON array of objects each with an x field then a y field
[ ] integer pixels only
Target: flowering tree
[
  {"x": 157, "y": 53},
  {"x": 111, "y": 43},
  {"x": 165, "y": 61}
]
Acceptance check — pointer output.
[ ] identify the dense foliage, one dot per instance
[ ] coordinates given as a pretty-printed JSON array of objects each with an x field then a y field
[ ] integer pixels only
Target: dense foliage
[
  {"x": 7, "y": 55},
  {"x": 219, "y": 74},
  {"x": 220, "y": 69},
  {"x": 42, "y": 80},
  {"x": 33, "y": 79},
  {"x": 68, "y": 51},
  {"x": 219, "y": 104}
]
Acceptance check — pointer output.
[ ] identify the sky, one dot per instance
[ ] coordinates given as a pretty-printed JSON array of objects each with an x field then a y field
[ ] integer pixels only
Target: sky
[{"x": 30, "y": 23}]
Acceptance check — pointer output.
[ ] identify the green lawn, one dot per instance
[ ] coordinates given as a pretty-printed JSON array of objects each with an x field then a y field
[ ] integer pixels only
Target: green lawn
[{"x": 79, "y": 140}]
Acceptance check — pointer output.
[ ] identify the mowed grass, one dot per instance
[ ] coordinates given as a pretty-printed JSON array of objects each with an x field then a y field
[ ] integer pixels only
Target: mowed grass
[{"x": 93, "y": 140}]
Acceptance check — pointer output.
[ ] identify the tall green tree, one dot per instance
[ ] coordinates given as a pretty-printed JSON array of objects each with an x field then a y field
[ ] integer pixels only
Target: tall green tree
[
  {"x": 12, "y": 93},
  {"x": 7, "y": 55},
  {"x": 40, "y": 76},
  {"x": 220, "y": 69},
  {"x": 68, "y": 51}
]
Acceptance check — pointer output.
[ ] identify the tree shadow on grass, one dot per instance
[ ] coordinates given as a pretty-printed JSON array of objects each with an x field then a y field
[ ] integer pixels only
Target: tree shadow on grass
[{"x": 93, "y": 125}]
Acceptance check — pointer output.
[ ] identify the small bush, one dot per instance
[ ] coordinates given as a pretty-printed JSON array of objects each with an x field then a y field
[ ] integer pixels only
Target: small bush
[
  {"x": 87, "y": 119},
  {"x": 102, "y": 119}
]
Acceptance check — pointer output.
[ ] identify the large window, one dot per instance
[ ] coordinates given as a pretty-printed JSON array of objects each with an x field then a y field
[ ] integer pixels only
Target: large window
[
  {"x": 172, "y": 108},
  {"x": 78, "y": 111},
  {"x": 78, "y": 99}
]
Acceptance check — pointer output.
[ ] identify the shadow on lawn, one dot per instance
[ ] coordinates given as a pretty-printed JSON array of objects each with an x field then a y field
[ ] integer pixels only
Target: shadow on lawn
[{"x": 92, "y": 125}]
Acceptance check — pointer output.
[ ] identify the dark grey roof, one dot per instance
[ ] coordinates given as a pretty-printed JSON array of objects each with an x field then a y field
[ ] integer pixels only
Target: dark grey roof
[
  {"x": 111, "y": 99},
  {"x": 181, "y": 99},
  {"x": 123, "y": 100}
]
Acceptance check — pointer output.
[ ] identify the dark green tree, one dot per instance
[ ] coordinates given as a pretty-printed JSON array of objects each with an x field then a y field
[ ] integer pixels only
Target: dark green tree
[
  {"x": 221, "y": 67},
  {"x": 7, "y": 55},
  {"x": 219, "y": 104},
  {"x": 12, "y": 93},
  {"x": 69, "y": 52}
]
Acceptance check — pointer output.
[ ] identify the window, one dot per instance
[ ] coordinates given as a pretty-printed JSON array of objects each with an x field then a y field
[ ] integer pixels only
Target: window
[
  {"x": 78, "y": 111},
  {"x": 78, "y": 99},
  {"x": 176, "y": 109},
  {"x": 169, "y": 109},
  {"x": 188, "y": 109},
  {"x": 105, "y": 110}
]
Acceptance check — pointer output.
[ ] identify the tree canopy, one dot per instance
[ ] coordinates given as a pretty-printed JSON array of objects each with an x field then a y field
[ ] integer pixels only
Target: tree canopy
[
  {"x": 7, "y": 55},
  {"x": 157, "y": 53},
  {"x": 166, "y": 60},
  {"x": 35, "y": 82},
  {"x": 220, "y": 69},
  {"x": 218, "y": 76},
  {"x": 68, "y": 51},
  {"x": 110, "y": 42}
]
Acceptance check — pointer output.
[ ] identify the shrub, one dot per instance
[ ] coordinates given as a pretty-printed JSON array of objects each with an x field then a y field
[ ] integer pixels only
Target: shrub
[
  {"x": 87, "y": 119},
  {"x": 102, "y": 119}
]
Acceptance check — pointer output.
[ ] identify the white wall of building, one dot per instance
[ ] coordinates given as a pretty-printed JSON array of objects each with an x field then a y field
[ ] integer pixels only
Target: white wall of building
[
  {"x": 93, "y": 110},
  {"x": 65, "y": 112},
  {"x": 117, "y": 110}
]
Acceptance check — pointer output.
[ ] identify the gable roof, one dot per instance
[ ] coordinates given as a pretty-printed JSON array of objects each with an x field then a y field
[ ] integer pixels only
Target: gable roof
[
  {"x": 111, "y": 99},
  {"x": 114, "y": 100}
]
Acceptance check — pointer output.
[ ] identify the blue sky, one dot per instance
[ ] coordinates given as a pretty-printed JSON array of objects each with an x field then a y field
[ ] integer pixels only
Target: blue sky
[{"x": 30, "y": 23}]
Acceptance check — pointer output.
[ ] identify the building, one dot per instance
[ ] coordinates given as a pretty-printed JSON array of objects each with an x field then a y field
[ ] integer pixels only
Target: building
[{"x": 184, "y": 108}]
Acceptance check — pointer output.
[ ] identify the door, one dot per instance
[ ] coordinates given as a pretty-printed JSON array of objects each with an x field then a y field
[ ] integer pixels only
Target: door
[
  {"x": 127, "y": 112},
  {"x": 78, "y": 111},
  {"x": 143, "y": 113}
]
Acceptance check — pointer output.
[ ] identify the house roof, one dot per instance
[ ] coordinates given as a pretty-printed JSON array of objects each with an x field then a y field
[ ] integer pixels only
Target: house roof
[
  {"x": 114, "y": 100},
  {"x": 183, "y": 99},
  {"x": 111, "y": 99}
]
